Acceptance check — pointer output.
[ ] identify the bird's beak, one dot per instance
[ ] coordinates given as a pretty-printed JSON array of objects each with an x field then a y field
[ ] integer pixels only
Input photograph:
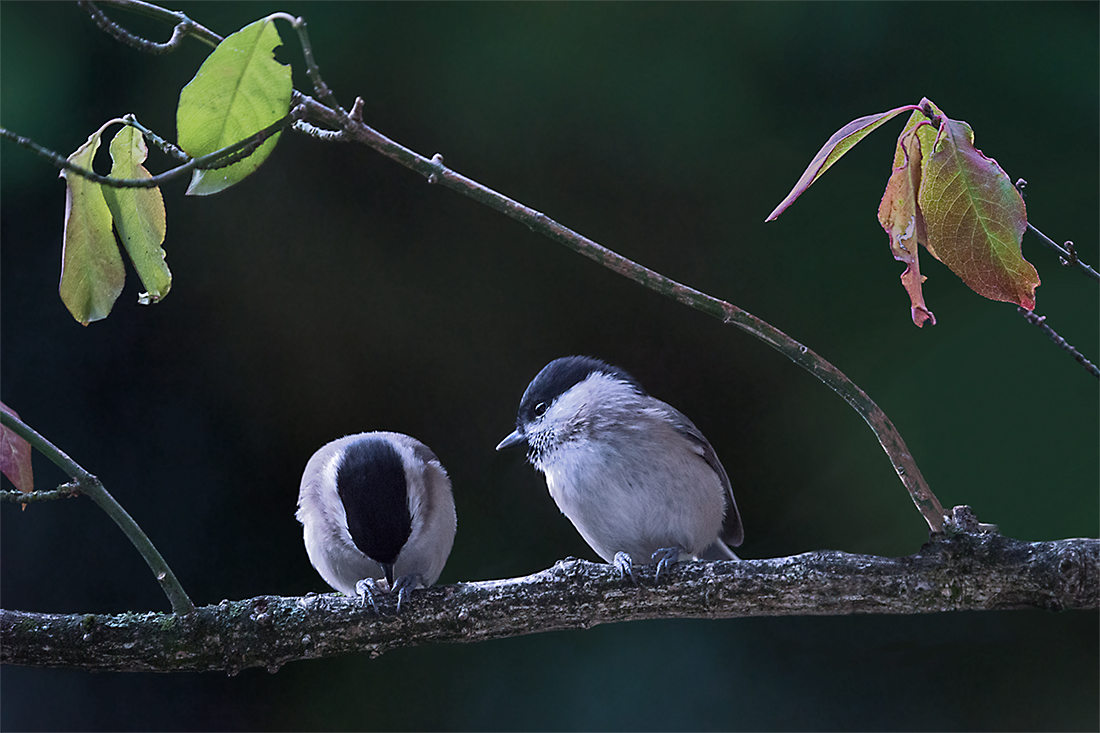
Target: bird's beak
[{"x": 514, "y": 437}]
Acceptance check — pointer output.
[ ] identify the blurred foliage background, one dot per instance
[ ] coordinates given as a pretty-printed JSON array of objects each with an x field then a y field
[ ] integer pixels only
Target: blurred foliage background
[{"x": 335, "y": 292}]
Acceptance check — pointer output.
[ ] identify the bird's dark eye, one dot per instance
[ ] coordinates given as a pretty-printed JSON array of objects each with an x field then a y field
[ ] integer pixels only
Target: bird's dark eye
[{"x": 540, "y": 409}]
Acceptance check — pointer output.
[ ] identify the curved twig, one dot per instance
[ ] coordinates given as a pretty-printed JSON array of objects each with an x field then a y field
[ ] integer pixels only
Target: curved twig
[
  {"x": 90, "y": 485},
  {"x": 184, "y": 26}
]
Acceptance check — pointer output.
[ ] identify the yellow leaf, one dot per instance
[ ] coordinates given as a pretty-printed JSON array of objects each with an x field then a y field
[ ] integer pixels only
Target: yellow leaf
[{"x": 92, "y": 273}]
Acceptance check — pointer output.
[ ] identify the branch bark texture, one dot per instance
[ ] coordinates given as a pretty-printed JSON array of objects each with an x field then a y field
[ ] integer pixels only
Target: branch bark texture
[{"x": 967, "y": 571}]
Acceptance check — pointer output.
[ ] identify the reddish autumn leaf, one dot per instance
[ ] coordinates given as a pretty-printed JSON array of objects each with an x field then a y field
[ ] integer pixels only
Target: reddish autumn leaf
[
  {"x": 903, "y": 221},
  {"x": 840, "y": 143},
  {"x": 975, "y": 218},
  {"x": 15, "y": 456},
  {"x": 945, "y": 194}
]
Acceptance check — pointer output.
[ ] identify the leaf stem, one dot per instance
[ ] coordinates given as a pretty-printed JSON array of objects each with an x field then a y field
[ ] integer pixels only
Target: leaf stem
[
  {"x": 436, "y": 172},
  {"x": 90, "y": 485}
]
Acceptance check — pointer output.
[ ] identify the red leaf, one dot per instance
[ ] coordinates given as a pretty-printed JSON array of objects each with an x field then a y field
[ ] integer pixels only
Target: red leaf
[
  {"x": 15, "y": 456},
  {"x": 901, "y": 217},
  {"x": 976, "y": 218}
]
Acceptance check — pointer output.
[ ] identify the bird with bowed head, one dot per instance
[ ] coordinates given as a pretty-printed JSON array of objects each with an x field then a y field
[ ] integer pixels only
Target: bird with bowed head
[{"x": 377, "y": 506}]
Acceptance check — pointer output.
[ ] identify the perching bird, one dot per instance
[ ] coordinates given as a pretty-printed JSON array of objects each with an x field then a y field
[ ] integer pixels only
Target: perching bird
[
  {"x": 634, "y": 475},
  {"x": 377, "y": 505}
]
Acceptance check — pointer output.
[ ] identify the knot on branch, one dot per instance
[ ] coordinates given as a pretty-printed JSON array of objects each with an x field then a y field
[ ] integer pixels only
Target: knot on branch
[
  {"x": 1072, "y": 260},
  {"x": 1079, "y": 573},
  {"x": 962, "y": 519},
  {"x": 437, "y": 162}
]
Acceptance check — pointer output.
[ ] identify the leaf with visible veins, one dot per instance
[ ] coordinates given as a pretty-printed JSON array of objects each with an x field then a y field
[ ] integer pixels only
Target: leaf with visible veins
[
  {"x": 945, "y": 194},
  {"x": 239, "y": 90},
  {"x": 976, "y": 218}
]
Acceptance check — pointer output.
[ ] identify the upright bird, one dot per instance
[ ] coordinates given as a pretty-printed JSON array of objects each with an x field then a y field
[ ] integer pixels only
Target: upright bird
[{"x": 634, "y": 475}]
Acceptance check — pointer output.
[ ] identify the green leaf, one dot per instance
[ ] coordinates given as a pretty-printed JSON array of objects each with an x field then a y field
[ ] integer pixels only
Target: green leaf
[
  {"x": 840, "y": 143},
  {"x": 239, "y": 90},
  {"x": 92, "y": 273},
  {"x": 139, "y": 214},
  {"x": 15, "y": 456},
  {"x": 975, "y": 218}
]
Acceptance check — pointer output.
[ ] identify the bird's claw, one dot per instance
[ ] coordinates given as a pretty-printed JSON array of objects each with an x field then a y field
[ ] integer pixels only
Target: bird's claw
[
  {"x": 369, "y": 588},
  {"x": 665, "y": 558},
  {"x": 366, "y": 590},
  {"x": 624, "y": 565},
  {"x": 404, "y": 587}
]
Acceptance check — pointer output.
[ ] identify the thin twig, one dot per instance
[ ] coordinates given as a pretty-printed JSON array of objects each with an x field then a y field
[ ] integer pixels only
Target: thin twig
[
  {"x": 156, "y": 139},
  {"x": 122, "y": 35},
  {"x": 1067, "y": 254},
  {"x": 218, "y": 159},
  {"x": 1041, "y": 322},
  {"x": 91, "y": 486},
  {"x": 320, "y": 88},
  {"x": 320, "y": 134},
  {"x": 64, "y": 491},
  {"x": 238, "y": 151},
  {"x": 184, "y": 26},
  {"x": 436, "y": 172}
]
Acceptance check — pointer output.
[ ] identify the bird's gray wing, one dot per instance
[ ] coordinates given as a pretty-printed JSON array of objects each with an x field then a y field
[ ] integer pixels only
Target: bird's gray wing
[{"x": 732, "y": 531}]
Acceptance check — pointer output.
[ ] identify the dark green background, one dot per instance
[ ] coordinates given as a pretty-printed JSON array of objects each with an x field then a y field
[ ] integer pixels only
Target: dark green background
[{"x": 335, "y": 291}]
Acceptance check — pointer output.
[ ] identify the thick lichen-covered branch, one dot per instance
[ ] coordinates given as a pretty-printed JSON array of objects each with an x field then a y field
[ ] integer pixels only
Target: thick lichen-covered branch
[{"x": 971, "y": 570}]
